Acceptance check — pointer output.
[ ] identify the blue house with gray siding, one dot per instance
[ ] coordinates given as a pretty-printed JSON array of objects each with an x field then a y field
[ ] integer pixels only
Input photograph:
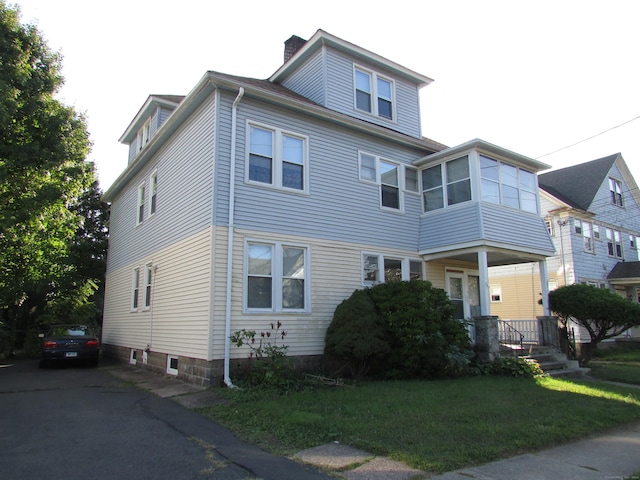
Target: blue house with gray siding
[
  {"x": 592, "y": 211},
  {"x": 252, "y": 201}
]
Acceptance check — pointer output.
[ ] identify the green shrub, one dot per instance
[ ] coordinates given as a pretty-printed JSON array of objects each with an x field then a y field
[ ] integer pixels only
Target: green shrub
[
  {"x": 400, "y": 329},
  {"x": 512, "y": 367}
]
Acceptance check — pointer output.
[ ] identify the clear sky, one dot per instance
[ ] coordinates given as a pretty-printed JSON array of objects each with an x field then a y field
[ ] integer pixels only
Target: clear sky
[{"x": 529, "y": 76}]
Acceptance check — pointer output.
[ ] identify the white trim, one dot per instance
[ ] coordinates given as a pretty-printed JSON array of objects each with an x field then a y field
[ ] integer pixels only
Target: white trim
[
  {"x": 170, "y": 370},
  {"x": 405, "y": 266},
  {"x": 375, "y": 96},
  {"x": 277, "y": 277},
  {"x": 148, "y": 286},
  {"x": 132, "y": 356},
  {"x": 134, "y": 302},
  {"x": 153, "y": 181},
  {"x": 141, "y": 195},
  {"x": 277, "y": 157}
]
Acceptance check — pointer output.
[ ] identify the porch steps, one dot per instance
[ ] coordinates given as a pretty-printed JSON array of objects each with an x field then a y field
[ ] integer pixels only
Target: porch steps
[{"x": 555, "y": 363}]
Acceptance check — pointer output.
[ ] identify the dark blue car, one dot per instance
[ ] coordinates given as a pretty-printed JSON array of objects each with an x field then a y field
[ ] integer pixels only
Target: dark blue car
[{"x": 70, "y": 343}]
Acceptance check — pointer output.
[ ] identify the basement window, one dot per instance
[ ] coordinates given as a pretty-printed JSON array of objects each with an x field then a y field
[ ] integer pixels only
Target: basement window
[{"x": 172, "y": 365}]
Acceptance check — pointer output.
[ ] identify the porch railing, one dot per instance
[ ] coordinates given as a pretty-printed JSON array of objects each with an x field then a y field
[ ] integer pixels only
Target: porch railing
[
  {"x": 508, "y": 335},
  {"x": 541, "y": 331}
]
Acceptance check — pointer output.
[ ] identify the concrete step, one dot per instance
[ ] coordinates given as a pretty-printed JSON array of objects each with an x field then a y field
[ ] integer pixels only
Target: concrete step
[{"x": 576, "y": 372}]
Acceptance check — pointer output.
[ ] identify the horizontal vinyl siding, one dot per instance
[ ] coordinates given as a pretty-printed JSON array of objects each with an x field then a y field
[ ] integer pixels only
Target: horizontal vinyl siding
[
  {"x": 184, "y": 167},
  {"x": 178, "y": 322},
  {"x": 335, "y": 272},
  {"x": 449, "y": 226},
  {"x": 308, "y": 80},
  {"x": 339, "y": 207},
  {"x": 512, "y": 226},
  {"x": 341, "y": 93},
  {"x": 520, "y": 292}
]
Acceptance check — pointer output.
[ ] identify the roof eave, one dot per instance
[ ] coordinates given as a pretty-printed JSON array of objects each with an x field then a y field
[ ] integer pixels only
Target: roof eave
[{"x": 323, "y": 38}]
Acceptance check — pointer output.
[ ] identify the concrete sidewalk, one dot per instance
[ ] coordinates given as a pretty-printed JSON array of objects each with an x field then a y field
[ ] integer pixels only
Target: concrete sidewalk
[{"x": 611, "y": 456}]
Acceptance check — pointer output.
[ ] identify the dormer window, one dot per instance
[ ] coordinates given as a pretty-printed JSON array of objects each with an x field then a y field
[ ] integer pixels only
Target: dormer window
[
  {"x": 143, "y": 135},
  {"x": 374, "y": 94}
]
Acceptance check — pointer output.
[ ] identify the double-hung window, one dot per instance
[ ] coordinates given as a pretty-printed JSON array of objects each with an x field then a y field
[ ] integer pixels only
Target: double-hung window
[
  {"x": 141, "y": 200},
  {"x": 374, "y": 93},
  {"x": 587, "y": 237},
  {"x": 377, "y": 268},
  {"x": 393, "y": 178},
  {"x": 153, "y": 193},
  {"x": 614, "y": 243},
  {"x": 446, "y": 184},
  {"x": 506, "y": 184},
  {"x": 277, "y": 158},
  {"x": 277, "y": 277},
  {"x": 615, "y": 188},
  {"x": 143, "y": 135},
  {"x": 148, "y": 275},
  {"x": 135, "y": 288}
]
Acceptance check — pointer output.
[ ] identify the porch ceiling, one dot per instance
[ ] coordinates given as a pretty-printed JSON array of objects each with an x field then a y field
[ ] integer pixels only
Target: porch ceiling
[{"x": 495, "y": 257}]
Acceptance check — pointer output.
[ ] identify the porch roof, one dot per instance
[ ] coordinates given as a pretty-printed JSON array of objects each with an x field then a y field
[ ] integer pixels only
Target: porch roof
[{"x": 625, "y": 273}]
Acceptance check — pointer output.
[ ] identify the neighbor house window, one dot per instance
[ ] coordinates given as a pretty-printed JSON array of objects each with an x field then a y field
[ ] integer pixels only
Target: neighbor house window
[
  {"x": 615, "y": 187},
  {"x": 377, "y": 268},
  {"x": 446, "y": 184},
  {"x": 140, "y": 209},
  {"x": 549, "y": 223},
  {"x": 153, "y": 192},
  {"x": 632, "y": 242},
  {"x": 506, "y": 184},
  {"x": 277, "y": 158},
  {"x": 614, "y": 244},
  {"x": 374, "y": 94},
  {"x": 393, "y": 179},
  {"x": 277, "y": 277},
  {"x": 596, "y": 232},
  {"x": 148, "y": 275},
  {"x": 496, "y": 293},
  {"x": 135, "y": 289},
  {"x": 577, "y": 226}
]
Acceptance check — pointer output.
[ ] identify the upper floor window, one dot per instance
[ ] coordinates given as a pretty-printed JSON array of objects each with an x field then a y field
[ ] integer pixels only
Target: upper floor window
[
  {"x": 378, "y": 268},
  {"x": 277, "y": 158},
  {"x": 276, "y": 277},
  {"x": 153, "y": 192},
  {"x": 596, "y": 232},
  {"x": 148, "y": 274},
  {"x": 615, "y": 188},
  {"x": 587, "y": 237},
  {"x": 393, "y": 178},
  {"x": 614, "y": 243},
  {"x": 507, "y": 184},
  {"x": 143, "y": 135},
  {"x": 446, "y": 184},
  {"x": 549, "y": 223},
  {"x": 140, "y": 209},
  {"x": 374, "y": 94}
]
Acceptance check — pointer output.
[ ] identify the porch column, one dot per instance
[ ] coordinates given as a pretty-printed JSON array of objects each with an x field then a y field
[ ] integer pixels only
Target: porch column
[
  {"x": 544, "y": 285},
  {"x": 485, "y": 291}
]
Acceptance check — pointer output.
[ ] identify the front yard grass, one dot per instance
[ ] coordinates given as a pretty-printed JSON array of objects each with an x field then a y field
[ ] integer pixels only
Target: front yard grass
[
  {"x": 434, "y": 426},
  {"x": 617, "y": 364}
]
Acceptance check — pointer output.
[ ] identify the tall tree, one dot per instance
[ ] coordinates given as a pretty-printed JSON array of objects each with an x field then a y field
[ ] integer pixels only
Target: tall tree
[{"x": 43, "y": 176}]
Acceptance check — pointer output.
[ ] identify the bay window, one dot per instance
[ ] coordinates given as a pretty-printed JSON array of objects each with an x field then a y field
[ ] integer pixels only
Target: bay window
[
  {"x": 505, "y": 184},
  {"x": 447, "y": 184}
]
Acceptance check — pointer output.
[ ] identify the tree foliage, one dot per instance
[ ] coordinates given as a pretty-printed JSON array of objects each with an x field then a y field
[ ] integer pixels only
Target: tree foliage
[
  {"x": 46, "y": 189},
  {"x": 603, "y": 313},
  {"x": 400, "y": 329}
]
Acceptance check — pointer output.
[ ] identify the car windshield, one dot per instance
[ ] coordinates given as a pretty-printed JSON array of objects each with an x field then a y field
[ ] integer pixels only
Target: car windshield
[{"x": 70, "y": 331}]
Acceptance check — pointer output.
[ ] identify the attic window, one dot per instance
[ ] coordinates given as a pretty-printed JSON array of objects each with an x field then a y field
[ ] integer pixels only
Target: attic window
[
  {"x": 374, "y": 94},
  {"x": 143, "y": 135},
  {"x": 615, "y": 186}
]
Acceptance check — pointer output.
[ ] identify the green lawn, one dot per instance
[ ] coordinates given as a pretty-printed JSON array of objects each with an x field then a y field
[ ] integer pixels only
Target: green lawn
[{"x": 432, "y": 425}]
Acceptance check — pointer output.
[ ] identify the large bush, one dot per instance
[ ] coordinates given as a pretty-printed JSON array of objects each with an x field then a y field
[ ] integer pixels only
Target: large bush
[
  {"x": 603, "y": 313},
  {"x": 399, "y": 329}
]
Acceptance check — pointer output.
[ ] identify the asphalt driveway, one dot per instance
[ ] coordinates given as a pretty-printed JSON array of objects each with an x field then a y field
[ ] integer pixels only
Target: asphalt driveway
[{"x": 77, "y": 423}]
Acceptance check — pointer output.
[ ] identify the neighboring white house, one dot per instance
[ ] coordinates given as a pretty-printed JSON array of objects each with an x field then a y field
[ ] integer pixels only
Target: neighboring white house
[
  {"x": 592, "y": 211},
  {"x": 250, "y": 201}
]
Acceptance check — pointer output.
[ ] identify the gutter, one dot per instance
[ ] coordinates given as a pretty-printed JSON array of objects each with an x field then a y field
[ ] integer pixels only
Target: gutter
[{"x": 230, "y": 239}]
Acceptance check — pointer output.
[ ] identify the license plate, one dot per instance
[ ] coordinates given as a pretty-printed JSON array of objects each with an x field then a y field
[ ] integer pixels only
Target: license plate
[{"x": 70, "y": 354}]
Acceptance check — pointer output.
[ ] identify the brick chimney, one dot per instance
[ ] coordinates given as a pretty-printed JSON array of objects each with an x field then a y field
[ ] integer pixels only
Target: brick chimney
[{"x": 292, "y": 46}]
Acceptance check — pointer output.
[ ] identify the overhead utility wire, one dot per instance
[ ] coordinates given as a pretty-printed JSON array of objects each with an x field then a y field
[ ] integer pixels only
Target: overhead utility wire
[{"x": 593, "y": 136}]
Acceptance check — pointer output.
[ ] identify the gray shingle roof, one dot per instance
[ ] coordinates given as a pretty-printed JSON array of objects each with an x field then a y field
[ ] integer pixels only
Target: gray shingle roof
[
  {"x": 577, "y": 185},
  {"x": 625, "y": 270}
]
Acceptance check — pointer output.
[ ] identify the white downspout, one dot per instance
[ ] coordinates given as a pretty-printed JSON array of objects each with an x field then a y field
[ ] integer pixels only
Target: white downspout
[{"x": 232, "y": 197}]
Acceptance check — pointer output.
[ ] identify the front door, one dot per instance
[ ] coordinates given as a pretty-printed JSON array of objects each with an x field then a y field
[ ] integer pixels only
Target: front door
[{"x": 464, "y": 292}]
